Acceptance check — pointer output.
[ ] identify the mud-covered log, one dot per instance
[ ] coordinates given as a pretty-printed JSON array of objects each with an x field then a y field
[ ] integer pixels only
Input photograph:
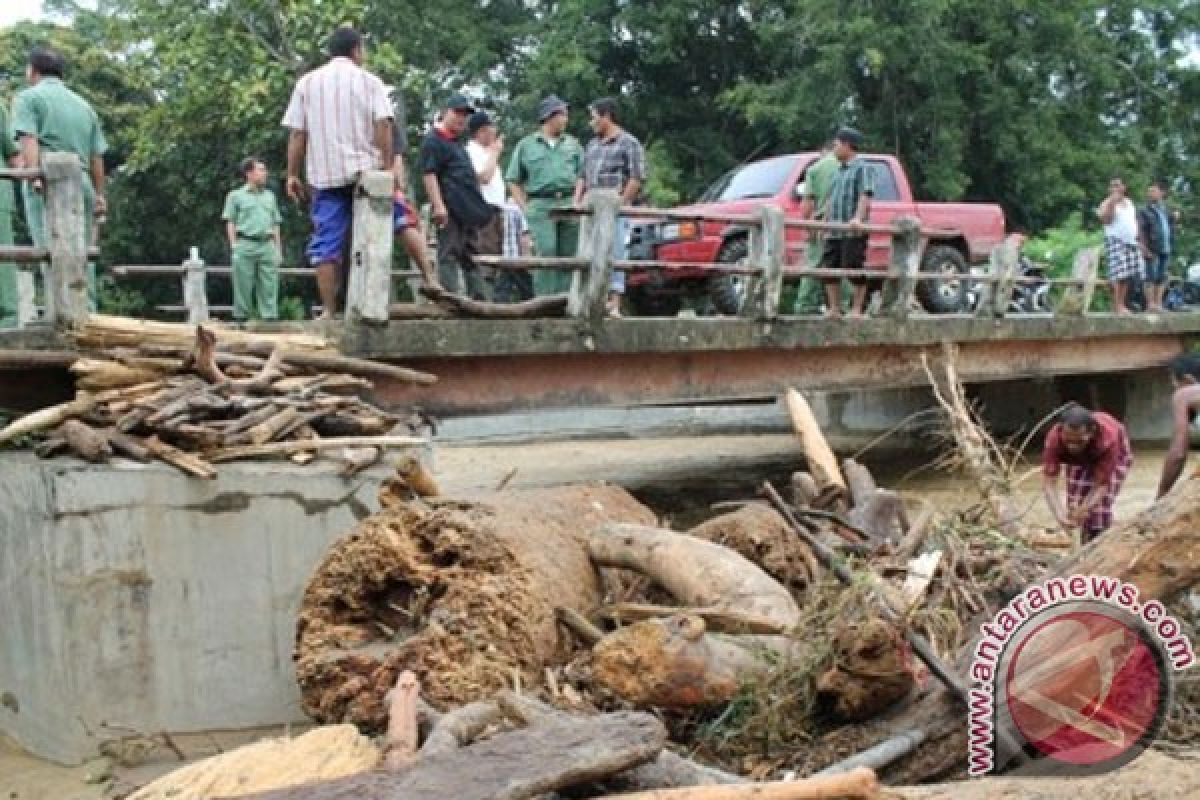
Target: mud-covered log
[
  {"x": 462, "y": 592},
  {"x": 675, "y": 663},
  {"x": 694, "y": 571},
  {"x": 859, "y": 784},
  {"x": 760, "y": 535},
  {"x": 85, "y": 441},
  {"x": 556, "y": 753}
]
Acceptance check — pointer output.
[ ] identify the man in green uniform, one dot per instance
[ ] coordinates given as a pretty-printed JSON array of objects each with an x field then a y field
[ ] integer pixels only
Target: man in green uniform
[
  {"x": 8, "y": 207},
  {"x": 818, "y": 179},
  {"x": 49, "y": 117},
  {"x": 541, "y": 176},
  {"x": 252, "y": 224}
]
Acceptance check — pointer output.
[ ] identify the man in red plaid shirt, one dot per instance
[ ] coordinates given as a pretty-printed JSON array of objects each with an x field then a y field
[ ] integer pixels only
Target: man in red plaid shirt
[{"x": 1094, "y": 446}]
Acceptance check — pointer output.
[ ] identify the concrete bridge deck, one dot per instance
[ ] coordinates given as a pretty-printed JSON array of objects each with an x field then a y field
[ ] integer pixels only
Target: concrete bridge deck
[{"x": 492, "y": 366}]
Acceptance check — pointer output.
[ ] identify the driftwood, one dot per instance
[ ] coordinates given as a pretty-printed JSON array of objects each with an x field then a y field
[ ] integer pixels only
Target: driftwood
[
  {"x": 719, "y": 620},
  {"x": 401, "y": 311},
  {"x": 85, "y": 442},
  {"x": 859, "y": 783},
  {"x": 460, "y": 727},
  {"x": 101, "y": 331},
  {"x": 37, "y": 359},
  {"x": 355, "y": 459},
  {"x": 330, "y": 362},
  {"x": 579, "y": 625},
  {"x": 185, "y": 462},
  {"x": 859, "y": 481},
  {"x": 286, "y": 448},
  {"x": 555, "y": 753},
  {"x": 127, "y": 445},
  {"x": 821, "y": 461},
  {"x": 551, "y": 306},
  {"x": 804, "y": 489},
  {"x": 50, "y": 417},
  {"x": 400, "y": 742},
  {"x": 694, "y": 571},
  {"x": 674, "y": 663}
]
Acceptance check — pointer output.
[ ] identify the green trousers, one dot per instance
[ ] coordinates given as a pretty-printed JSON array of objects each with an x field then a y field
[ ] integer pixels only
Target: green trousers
[
  {"x": 810, "y": 297},
  {"x": 35, "y": 220},
  {"x": 255, "y": 279},
  {"x": 8, "y": 276},
  {"x": 552, "y": 236}
]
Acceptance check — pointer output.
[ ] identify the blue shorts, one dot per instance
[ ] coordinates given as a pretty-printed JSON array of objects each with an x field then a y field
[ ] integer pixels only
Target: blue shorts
[
  {"x": 1156, "y": 268},
  {"x": 332, "y": 215}
]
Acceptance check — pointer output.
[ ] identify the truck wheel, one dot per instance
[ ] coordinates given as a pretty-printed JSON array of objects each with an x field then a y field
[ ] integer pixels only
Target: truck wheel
[
  {"x": 728, "y": 291},
  {"x": 644, "y": 302},
  {"x": 947, "y": 295}
]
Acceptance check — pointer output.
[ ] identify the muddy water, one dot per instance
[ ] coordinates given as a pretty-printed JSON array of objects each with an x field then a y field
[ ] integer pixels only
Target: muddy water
[{"x": 949, "y": 491}]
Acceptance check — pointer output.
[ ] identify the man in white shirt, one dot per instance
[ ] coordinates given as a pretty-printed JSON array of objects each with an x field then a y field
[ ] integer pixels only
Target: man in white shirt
[
  {"x": 1121, "y": 247},
  {"x": 485, "y": 146},
  {"x": 340, "y": 118}
]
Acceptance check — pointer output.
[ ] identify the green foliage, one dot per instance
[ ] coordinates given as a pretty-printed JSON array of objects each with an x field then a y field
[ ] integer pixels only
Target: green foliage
[
  {"x": 120, "y": 300},
  {"x": 1032, "y": 105},
  {"x": 1056, "y": 247},
  {"x": 292, "y": 308}
]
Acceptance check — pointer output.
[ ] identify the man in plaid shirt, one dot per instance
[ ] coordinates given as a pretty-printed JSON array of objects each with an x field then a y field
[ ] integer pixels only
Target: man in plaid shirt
[
  {"x": 1095, "y": 448},
  {"x": 849, "y": 203},
  {"x": 614, "y": 159}
]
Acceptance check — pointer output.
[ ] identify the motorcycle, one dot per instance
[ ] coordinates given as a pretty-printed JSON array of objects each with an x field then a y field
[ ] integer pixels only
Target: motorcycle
[
  {"x": 1030, "y": 295},
  {"x": 1191, "y": 286}
]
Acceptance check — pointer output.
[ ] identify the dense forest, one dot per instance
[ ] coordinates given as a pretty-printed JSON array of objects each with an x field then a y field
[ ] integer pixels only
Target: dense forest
[{"x": 1033, "y": 105}]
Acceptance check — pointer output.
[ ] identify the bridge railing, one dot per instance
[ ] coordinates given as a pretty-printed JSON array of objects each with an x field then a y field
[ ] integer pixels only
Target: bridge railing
[
  {"x": 65, "y": 259},
  {"x": 767, "y": 265}
]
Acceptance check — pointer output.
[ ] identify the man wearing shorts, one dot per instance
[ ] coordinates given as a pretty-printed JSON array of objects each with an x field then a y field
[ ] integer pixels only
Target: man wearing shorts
[
  {"x": 1095, "y": 449},
  {"x": 849, "y": 203},
  {"x": 1156, "y": 234},
  {"x": 340, "y": 118}
]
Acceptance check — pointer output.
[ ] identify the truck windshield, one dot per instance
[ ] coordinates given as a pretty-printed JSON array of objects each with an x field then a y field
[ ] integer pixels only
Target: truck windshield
[{"x": 760, "y": 179}]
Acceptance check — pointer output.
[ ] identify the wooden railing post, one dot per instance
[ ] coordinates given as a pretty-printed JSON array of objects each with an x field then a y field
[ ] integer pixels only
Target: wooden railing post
[
  {"x": 768, "y": 252},
  {"x": 195, "y": 289},
  {"x": 369, "y": 290},
  {"x": 1009, "y": 263},
  {"x": 26, "y": 296},
  {"x": 1078, "y": 299},
  {"x": 589, "y": 291},
  {"x": 906, "y": 261},
  {"x": 756, "y": 255},
  {"x": 66, "y": 238}
]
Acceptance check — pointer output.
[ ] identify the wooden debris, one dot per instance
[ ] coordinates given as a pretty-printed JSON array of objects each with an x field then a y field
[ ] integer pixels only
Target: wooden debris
[
  {"x": 555, "y": 753},
  {"x": 85, "y": 442},
  {"x": 400, "y": 742},
  {"x": 286, "y": 448},
  {"x": 821, "y": 461},
  {"x": 721, "y": 620},
  {"x": 460, "y": 727},
  {"x": 192, "y": 465},
  {"x": 355, "y": 459},
  {"x": 551, "y": 306},
  {"x": 694, "y": 571},
  {"x": 859, "y": 783}
]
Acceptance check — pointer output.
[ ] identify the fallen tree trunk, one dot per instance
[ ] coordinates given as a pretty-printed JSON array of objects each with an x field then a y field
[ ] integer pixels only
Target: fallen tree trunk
[
  {"x": 760, "y": 535},
  {"x": 675, "y": 663},
  {"x": 463, "y": 593},
  {"x": 694, "y": 571},
  {"x": 555, "y": 753}
]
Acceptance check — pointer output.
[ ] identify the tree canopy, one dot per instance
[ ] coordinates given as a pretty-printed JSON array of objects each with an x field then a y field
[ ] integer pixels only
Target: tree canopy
[{"x": 1033, "y": 105}]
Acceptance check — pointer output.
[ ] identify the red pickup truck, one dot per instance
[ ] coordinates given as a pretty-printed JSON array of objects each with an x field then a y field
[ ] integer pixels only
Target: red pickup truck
[{"x": 971, "y": 230}]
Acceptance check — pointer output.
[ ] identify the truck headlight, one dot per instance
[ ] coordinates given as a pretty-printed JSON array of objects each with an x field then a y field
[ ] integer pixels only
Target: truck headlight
[{"x": 673, "y": 231}]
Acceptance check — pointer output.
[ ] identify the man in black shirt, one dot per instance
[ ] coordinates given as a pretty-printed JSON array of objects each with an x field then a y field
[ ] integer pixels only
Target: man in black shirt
[{"x": 458, "y": 205}]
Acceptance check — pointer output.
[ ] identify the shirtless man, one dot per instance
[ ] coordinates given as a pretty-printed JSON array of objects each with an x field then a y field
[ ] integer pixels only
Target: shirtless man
[{"x": 1185, "y": 375}]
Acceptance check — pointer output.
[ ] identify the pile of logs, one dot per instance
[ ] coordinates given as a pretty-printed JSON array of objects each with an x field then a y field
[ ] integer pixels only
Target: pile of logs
[{"x": 194, "y": 398}]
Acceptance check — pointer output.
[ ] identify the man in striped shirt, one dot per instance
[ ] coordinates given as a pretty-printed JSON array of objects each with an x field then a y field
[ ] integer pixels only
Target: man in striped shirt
[
  {"x": 340, "y": 118},
  {"x": 849, "y": 203}
]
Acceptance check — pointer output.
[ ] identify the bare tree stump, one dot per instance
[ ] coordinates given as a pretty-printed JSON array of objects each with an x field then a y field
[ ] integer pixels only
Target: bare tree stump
[{"x": 463, "y": 593}]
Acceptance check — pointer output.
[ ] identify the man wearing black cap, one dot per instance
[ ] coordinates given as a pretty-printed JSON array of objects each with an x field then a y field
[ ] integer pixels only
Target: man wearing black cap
[
  {"x": 849, "y": 202},
  {"x": 541, "y": 175},
  {"x": 459, "y": 209}
]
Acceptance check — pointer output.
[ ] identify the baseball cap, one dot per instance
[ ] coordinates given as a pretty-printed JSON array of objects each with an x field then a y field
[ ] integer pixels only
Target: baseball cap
[
  {"x": 459, "y": 102},
  {"x": 850, "y": 136},
  {"x": 550, "y": 105}
]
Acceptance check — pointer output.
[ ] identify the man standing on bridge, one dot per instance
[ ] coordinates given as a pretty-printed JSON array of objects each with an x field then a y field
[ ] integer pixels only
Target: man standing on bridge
[
  {"x": 849, "y": 203},
  {"x": 1095, "y": 448},
  {"x": 1121, "y": 248},
  {"x": 1185, "y": 402},
  {"x": 340, "y": 118},
  {"x": 818, "y": 179},
  {"x": 9, "y": 157},
  {"x": 541, "y": 176},
  {"x": 50, "y": 118},
  {"x": 252, "y": 225}
]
